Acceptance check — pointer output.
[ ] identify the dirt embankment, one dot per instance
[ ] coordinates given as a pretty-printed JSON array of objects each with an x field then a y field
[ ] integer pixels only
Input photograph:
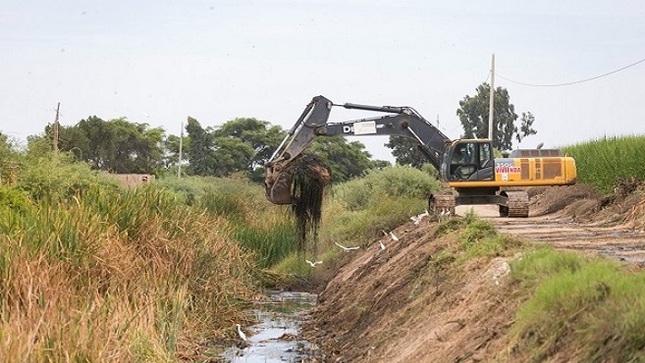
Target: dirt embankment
[{"x": 400, "y": 304}]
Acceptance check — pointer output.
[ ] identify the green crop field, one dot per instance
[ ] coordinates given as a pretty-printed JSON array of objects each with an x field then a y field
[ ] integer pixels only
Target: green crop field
[{"x": 602, "y": 162}]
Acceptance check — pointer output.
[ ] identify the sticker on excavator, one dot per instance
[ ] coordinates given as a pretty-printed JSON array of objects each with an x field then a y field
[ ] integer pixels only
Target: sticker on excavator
[
  {"x": 504, "y": 168},
  {"x": 365, "y": 128}
]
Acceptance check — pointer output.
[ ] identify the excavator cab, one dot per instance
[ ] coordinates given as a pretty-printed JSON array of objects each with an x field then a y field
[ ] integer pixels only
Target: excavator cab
[{"x": 468, "y": 160}]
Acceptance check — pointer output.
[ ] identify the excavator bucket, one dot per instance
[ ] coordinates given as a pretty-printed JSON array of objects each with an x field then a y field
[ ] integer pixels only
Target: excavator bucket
[
  {"x": 279, "y": 181},
  {"x": 277, "y": 186}
]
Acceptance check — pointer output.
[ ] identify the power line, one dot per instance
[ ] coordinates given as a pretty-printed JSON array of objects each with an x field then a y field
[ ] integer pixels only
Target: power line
[{"x": 574, "y": 82}]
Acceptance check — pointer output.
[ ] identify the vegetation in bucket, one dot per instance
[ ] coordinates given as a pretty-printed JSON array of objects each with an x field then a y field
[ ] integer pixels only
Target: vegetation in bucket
[{"x": 309, "y": 178}]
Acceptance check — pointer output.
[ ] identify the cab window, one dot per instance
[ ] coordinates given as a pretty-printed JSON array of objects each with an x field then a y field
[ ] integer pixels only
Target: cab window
[
  {"x": 464, "y": 154},
  {"x": 485, "y": 155}
]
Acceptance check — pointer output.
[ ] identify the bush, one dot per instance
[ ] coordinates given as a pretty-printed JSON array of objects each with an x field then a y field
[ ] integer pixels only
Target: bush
[
  {"x": 56, "y": 177},
  {"x": 395, "y": 182},
  {"x": 360, "y": 209}
]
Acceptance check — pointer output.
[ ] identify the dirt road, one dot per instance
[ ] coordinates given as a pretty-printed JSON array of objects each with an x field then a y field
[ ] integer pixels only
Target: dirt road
[{"x": 622, "y": 242}]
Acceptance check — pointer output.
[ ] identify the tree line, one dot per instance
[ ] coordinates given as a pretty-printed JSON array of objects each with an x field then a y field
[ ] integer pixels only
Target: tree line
[{"x": 244, "y": 145}]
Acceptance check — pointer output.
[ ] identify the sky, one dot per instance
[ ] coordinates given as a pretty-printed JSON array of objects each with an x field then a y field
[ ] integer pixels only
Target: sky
[{"x": 160, "y": 61}]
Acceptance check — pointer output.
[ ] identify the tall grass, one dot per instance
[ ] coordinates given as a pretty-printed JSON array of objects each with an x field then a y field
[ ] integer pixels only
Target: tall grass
[
  {"x": 106, "y": 274},
  {"x": 266, "y": 230},
  {"x": 601, "y": 162}
]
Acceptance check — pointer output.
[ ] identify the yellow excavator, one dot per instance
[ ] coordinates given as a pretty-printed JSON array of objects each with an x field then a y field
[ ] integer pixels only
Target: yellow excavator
[{"x": 465, "y": 165}]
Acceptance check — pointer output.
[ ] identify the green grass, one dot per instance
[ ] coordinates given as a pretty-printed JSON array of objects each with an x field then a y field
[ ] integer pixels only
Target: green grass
[
  {"x": 477, "y": 238},
  {"x": 601, "y": 162},
  {"x": 359, "y": 210},
  {"x": 589, "y": 307}
]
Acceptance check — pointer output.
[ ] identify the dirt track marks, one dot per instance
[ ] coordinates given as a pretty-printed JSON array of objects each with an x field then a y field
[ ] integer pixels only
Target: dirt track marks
[{"x": 620, "y": 242}]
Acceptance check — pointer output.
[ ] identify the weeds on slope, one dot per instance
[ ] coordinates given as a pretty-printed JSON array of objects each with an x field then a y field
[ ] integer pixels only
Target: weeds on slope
[{"x": 592, "y": 308}]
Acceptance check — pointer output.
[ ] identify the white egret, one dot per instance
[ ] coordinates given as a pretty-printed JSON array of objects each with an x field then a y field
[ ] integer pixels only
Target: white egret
[
  {"x": 347, "y": 249},
  {"x": 313, "y": 264},
  {"x": 382, "y": 245},
  {"x": 394, "y": 237},
  {"x": 240, "y": 332},
  {"x": 417, "y": 219}
]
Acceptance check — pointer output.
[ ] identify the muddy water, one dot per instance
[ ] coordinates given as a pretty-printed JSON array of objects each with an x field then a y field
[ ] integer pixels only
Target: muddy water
[{"x": 275, "y": 338}]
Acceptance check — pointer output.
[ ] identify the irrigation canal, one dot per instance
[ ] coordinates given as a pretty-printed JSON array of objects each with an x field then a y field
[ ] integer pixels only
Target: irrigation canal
[{"x": 276, "y": 336}]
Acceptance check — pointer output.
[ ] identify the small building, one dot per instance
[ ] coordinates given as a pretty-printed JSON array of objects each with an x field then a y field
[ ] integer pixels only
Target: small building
[{"x": 134, "y": 180}]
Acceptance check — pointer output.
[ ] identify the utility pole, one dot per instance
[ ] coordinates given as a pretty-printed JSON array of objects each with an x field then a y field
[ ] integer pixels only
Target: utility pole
[
  {"x": 181, "y": 144},
  {"x": 56, "y": 128},
  {"x": 492, "y": 97}
]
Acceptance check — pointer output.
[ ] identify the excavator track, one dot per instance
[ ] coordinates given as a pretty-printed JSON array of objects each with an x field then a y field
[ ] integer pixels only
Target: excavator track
[{"x": 518, "y": 204}]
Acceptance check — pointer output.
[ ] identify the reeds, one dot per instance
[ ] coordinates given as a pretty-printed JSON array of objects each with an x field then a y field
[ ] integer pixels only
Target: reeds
[
  {"x": 115, "y": 275},
  {"x": 267, "y": 231}
]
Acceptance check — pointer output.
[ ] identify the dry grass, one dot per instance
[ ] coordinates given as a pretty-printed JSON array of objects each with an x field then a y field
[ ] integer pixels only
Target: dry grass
[{"x": 119, "y": 277}]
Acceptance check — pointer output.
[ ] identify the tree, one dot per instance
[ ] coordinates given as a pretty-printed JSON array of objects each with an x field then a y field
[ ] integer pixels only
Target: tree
[
  {"x": 239, "y": 145},
  {"x": 259, "y": 135},
  {"x": 200, "y": 153},
  {"x": 473, "y": 114},
  {"x": 171, "y": 151},
  {"x": 118, "y": 146},
  {"x": 406, "y": 152},
  {"x": 346, "y": 160},
  {"x": 526, "y": 126},
  {"x": 137, "y": 149},
  {"x": 232, "y": 155},
  {"x": 8, "y": 158}
]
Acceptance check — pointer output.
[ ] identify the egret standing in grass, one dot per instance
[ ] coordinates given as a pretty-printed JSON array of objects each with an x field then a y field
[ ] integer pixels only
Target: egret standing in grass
[{"x": 417, "y": 219}]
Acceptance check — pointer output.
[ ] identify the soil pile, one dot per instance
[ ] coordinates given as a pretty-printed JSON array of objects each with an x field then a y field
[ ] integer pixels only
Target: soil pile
[{"x": 580, "y": 203}]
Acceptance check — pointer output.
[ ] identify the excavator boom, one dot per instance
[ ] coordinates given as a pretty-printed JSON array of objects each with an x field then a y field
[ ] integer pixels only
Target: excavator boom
[{"x": 313, "y": 122}]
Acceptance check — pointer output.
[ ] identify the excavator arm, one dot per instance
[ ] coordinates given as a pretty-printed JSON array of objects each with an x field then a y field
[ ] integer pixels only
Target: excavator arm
[{"x": 313, "y": 122}]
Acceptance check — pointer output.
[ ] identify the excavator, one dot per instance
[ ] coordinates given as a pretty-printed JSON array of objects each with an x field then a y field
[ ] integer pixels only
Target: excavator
[{"x": 467, "y": 166}]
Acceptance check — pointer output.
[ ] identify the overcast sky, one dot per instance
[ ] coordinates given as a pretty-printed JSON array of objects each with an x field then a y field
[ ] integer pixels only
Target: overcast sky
[{"x": 161, "y": 61}]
